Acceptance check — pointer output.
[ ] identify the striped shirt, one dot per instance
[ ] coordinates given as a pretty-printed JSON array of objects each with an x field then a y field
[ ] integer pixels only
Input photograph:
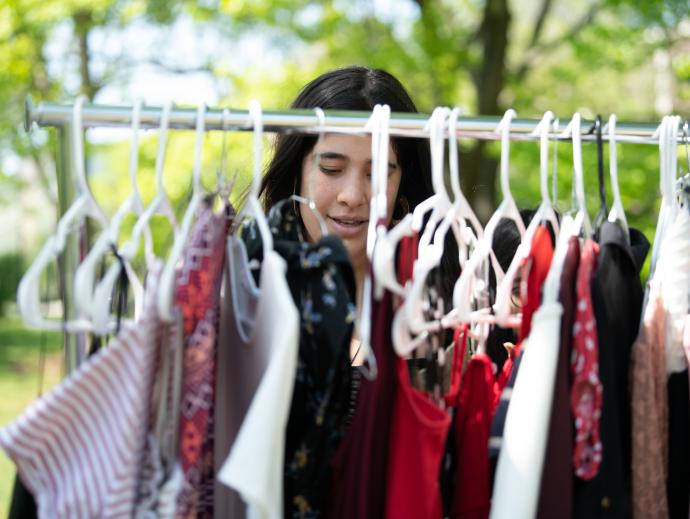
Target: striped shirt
[{"x": 78, "y": 448}]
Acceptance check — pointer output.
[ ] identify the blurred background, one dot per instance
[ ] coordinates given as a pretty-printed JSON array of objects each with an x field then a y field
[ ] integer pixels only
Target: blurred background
[{"x": 595, "y": 56}]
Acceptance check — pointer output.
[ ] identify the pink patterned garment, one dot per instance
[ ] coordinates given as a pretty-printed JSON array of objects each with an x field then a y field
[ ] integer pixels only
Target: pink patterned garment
[
  {"x": 649, "y": 402},
  {"x": 587, "y": 391},
  {"x": 197, "y": 295}
]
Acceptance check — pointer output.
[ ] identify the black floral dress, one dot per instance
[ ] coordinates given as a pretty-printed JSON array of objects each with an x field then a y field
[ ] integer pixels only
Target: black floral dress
[{"x": 322, "y": 284}]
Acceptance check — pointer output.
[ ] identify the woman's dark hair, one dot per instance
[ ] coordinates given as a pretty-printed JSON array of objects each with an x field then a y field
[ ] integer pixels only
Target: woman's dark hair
[
  {"x": 360, "y": 88},
  {"x": 350, "y": 88}
]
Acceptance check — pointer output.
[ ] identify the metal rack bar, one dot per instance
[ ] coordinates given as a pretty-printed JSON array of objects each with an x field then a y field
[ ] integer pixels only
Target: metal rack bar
[{"x": 305, "y": 121}]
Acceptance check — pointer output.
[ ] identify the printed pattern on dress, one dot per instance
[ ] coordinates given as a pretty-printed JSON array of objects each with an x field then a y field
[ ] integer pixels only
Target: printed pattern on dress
[
  {"x": 197, "y": 295},
  {"x": 321, "y": 283},
  {"x": 587, "y": 392}
]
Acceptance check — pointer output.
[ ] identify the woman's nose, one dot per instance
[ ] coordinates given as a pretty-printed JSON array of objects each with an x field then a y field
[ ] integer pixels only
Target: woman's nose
[{"x": 354, "y": 190}]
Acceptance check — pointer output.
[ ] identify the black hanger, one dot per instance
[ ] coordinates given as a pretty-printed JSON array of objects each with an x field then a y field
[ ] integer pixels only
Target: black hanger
[{"x": 603, "y": 209}]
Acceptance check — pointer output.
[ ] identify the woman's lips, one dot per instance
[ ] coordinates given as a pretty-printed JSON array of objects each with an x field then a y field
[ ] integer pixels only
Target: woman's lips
[{"x": 347, "y": 227}]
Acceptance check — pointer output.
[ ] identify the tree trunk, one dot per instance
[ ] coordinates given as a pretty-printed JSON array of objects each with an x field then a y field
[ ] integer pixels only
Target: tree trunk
[
  {"x": 479, "y": 169},
  {"x": 83, "y": 23}
]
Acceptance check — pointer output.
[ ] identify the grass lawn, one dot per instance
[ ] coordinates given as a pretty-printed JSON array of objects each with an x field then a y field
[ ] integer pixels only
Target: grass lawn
[{"x": 19, "y": 380}]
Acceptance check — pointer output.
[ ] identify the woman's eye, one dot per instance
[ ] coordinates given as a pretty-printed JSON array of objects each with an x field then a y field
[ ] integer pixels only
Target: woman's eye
[{"x": 328, "y": 171}]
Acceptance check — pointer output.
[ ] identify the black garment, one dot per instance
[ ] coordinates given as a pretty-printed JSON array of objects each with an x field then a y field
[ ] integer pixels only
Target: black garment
[
  {"x": 322, "y": 284},
  {"x": 678, "y": 483},
  {"x": 556, "y": 491},
  {"x": 617, "y": 299},
  {"x": 23, "y": 505}
]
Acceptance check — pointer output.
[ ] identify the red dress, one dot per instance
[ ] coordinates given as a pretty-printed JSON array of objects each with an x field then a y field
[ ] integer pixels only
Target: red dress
[
  {"x": 537, "y": 263},
  {"x": 417, "y": 444},
  {"x": 471, "y": 498},
  {"x": 586, "y": 393}
]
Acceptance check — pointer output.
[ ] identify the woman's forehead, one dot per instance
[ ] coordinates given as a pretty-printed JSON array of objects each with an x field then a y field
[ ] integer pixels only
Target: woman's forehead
[{"x": 349, "y": 146}]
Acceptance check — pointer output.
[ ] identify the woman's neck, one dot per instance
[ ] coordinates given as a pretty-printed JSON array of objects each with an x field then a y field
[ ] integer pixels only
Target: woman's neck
[
  {"x": 360, "y": 274},
  {"x": 355, "y": 350}
]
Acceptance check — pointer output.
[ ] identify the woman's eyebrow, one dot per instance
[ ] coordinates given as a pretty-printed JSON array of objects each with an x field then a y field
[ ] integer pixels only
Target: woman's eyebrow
[
  {"x": 391, "y": 165},
  {"x": 332, "y": 155}
]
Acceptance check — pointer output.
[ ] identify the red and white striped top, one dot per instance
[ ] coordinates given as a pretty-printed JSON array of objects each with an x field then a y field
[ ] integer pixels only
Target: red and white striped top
[{"x": 78, "y": 448}]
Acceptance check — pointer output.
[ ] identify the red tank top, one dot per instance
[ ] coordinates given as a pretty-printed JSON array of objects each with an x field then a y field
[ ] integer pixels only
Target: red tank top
[
  {"x": 471, "y": 499},
  {"x": 538, "y": 264},
  {"x": 417, "y": 444}
]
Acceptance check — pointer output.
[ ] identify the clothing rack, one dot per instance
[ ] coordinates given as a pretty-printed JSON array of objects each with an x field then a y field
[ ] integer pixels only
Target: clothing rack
[{"x": 306, "y": 121}]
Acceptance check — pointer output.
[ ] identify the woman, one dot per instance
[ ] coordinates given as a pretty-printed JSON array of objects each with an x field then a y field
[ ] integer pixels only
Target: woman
[{"x": 341, "y": 183}]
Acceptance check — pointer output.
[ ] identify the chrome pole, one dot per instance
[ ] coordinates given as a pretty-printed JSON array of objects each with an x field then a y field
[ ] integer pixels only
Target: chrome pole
[{"x": 305, "y": 121}]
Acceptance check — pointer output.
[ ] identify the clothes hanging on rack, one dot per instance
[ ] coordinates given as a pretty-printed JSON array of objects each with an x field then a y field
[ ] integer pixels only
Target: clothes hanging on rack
[
  {"x": 419, "y": 432},
  {"x": 678, "y": 481},
  {"x": 271, "y": 409},
  {"x": 586, "y": 394},
  {"x": 650, "y": 411},
  {"x": 254, "y": 466},
  {"x": 197, "y": 296},
  {"x": 617, "y": 299},
  {"x": 242, "y": 361},
  {"x": 657, "y": 352},
  {"x": 526, "y": 413},
  {"x": 360, "y": 465},
  {"x": 78, "y": 447},
  {"x": 322, "y": 284},
  {"x": 556, "y": 492}
]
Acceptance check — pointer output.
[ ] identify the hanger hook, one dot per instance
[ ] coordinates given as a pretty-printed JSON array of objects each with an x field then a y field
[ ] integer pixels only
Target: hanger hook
[
  {"x": 321, "y": 116},
  {"x": 200, "y": 133},
  {"x": 543, "y": 129},
  {"x": 162, "y": 143},
  {"x": 256, "y": 122},
  {"x": 554, "y": 178},
  {"x": 220, "y": 177},
  {"x": 686, "y": 138},
  {"x": 134, "y": 149},
  {"x": 453, "y": 152},
  {"x": 504, "y": 128}
]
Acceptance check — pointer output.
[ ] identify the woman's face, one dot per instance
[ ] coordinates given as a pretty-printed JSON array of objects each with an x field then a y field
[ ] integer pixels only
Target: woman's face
[{"x": 342, "y": 190}]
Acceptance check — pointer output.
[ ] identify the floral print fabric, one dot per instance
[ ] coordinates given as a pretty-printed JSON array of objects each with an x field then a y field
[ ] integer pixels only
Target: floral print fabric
[
  {"x": 322, "y": 284},
  {"x": 586, "y": 393}
]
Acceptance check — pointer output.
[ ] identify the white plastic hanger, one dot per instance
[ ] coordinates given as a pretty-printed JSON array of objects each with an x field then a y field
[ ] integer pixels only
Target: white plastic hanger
[
  {"x": 85, "y": 276},
  {"x": 463, "y": 209},
  {"x": 668, "y": 155},
  {"x": 584, "y": 224},
  {"x": 159, "y": 205},
  {"x": 378, "y": 125},
  {"x": 252, "y": 207},
  {"x": 545, "y": 211},
  {"x": 166, "y": 288},
  {"x": 617, "y": 213},
  {"x": 375, "y": 126},
  {"x": 309, "y": 199},
  {"x": 410, "y": 316},
  {"x": 469, "y": 281},
  {"x": 85, "y": 205},
  {"x": 443, "y": 212}
]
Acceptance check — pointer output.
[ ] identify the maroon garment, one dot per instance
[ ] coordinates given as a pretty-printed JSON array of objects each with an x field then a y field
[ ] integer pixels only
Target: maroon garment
[
  {"x": 360, "y": 466},
  {"x": 556, "y": 494}
]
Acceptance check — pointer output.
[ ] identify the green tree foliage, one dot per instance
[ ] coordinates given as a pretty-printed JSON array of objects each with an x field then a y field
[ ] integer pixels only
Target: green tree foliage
[{"x": 485, "y": 56}]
